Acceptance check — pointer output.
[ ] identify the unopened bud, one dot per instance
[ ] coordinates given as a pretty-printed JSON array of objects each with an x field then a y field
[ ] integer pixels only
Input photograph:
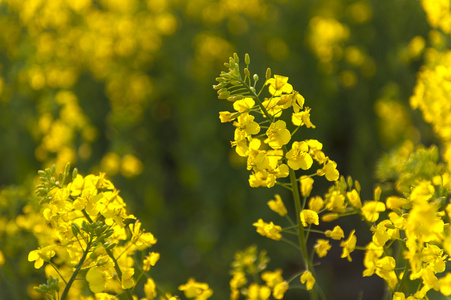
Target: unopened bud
[
  {"x": 255, "y": 77},
  {"x": 247, "y": 59},
  {"x": 268, "y": 73}
]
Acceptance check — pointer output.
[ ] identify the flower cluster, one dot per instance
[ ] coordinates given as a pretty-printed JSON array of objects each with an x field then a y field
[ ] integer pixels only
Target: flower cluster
[
  {"x": 262, "y": 135},
  {"x": 416, "y": 225},
  {"x": 267, "y": 153},
  {"x": 250, "y": 264},
  {"x": 89, "y": 234},
  {"x": 431, "y": 96}
]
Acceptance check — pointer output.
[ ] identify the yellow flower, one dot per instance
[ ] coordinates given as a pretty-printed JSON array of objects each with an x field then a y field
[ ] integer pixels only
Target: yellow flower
[
  {"x": 272, "y": 278},
  {"x": 41, "y": 255},
  {"x": 246, "y": 123},
  {"x": 278, "y": 135},
  {"x": 445, "y": 284},
  {"x": 316, "y": 204},
  {"x": 348, "y": 246},
  {"x": 381, "y": 233},
  {"x": 309, "y": 217},
  {"x": 268, "y": 229},
  {"x": 336, "y": 234},
  {"x": 354, "y": 198},
  {"x": 422, "y": 192},
  {"x": 243, "y": 104},
  {"x": 298, "y": 157},
  {"x": 96, "y": 280},
  {"x": 197, "y": 290},
  {"x": 149, "y": 289},
  {"x": 257, "y": 292},
  {"x": 322, "y": 247},
  {"x": 150, "y": 260},
  {"x": 302, "y": 118},
  {"x": 330, "y": 170},
  {"x": 399, "y": 296},
  {"x": 226, "y": 116},
  {"x": 238, "y": 280},
  {"x": 306, "y": 185},
  {"x": 329, "y": 217},
  {"x": 280, "y": 289},
  {"x": 278, "y": 85},
  {"x": 335, "y": 201},
  {"x": 308, "y": 279},
  {"x": 127, "y": 278},
  {"x": 372, "y": 255},
  {"x": 394, "y": 202},
  {"x": 142, "y": 240},
  {"x": 371, "y": 210},
  {"x": 278, "y": 206},
  {"x": 131, "y": 166}
]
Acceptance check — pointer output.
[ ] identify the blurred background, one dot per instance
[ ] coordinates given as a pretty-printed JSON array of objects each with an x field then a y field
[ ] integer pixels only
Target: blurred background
[{"x": 125, "y": 87}]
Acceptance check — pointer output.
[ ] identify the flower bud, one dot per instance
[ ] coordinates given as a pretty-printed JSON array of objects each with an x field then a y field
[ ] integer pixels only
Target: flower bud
[
  {"x": 255, "y": 77},
  {"x": 247, "y": 59},
  {"x": 268, "y": 73}
]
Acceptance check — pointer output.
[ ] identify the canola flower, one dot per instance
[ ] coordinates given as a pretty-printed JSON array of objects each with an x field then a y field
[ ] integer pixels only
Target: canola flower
[
  {"x": 92, "y": 237},
  {"x": 409, "y": 227},
  {"x": 264, "y": 137}
]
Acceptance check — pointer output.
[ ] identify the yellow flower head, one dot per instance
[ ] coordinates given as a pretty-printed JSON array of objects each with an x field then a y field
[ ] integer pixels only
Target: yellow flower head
[
  {"x": 309, "y": 217},
  {"x": 371, "y": 210},
  {"x": 329, "y": 217},
  {"x": 258, "y": 292},
  {"x": 280, "y": 289},
  {"x": 422, "y": 192},
  {"x": 302, "y": 118},
  {"x": 336, "y": 234},
  {"x": 322, "y": 247},
  {"x": 316, "y": 204},
  {"x": 127, "y": 278},
  {"x": 278, "y": 135},
  {"x": 306, "y": 185},
  {"x": 354, "y": 198},
  {"x": 226, "y": 116},
  {"x": 41, "y": 255},
  {"x": 394, "y": 202},
  {"x": 278, "y": 206},
  {"x": 298, "y": 157},
  {"x": 268, "y": 229},
  {"x": 150, "y": 289},
  {"x": 150, "y": 260},
  {"x": 330, "y": 171},
  {"x": 243, "y": 104},
  {"x": 238, "y": 280},
  {"x": 198, "y": 290},
  {"x": 308, "y": 279},
  {"x": 96, "y": 280},
  {"x": 278, "y": 85},
  {"x": 272, "y": 278},
  {"x": 348, "y": 246}
]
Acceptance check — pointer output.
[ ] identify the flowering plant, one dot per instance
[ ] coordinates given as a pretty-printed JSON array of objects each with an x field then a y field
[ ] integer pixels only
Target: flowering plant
[{"x": 410, "y": 231}]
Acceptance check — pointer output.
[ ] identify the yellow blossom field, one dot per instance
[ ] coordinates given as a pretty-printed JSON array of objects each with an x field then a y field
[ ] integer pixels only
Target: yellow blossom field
[{"x": 224, "y": 149}]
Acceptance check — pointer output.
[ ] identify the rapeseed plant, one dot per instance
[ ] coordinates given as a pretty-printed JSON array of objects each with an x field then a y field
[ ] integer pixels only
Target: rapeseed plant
[
  {"x": 91, "y": 236},
  {"x": 410, "y": 244}
]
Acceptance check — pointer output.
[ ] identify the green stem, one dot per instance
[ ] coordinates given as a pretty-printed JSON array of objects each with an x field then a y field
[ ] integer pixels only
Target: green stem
[
  {"x": 77, "y": 270},
  {"x": 302, "y": 240},
  {"x": 110, "y": 254},
  {"x": 255, "y": 96}
]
